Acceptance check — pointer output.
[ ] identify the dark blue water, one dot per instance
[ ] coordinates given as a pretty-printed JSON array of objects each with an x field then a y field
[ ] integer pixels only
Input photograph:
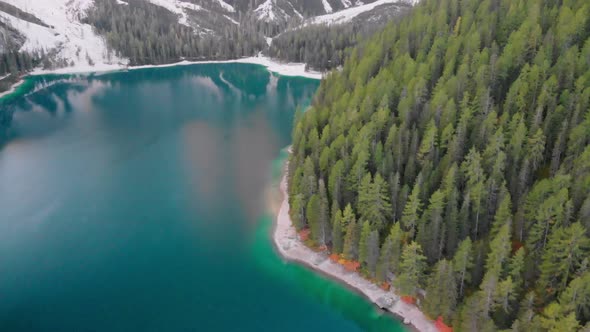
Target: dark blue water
[{"x": 135, "y": 202}]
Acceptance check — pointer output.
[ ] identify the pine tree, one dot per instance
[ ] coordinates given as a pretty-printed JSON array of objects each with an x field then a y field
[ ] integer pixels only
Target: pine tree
[
  {"x": 463, "y": 263},
  {"x": 565, "y": 251},
  {"x": 503, "y": 216},
  {"x": 576, "y": 298},
  {"x": 324, "y": 216},
  {"x": 351, "y": 241},
  {"x": 516, "y": 269},
  {"x": 372, "y": 253},
  {"x": 429, "y": 234},
  {"x": 363, "y": 243},
  {"x": 384, "y": 264},
  {"x": 309, "y": 182},
  {"x": 475, "y": 184},
  {"x": 441, "y": 291},
  {"x": 297, "y": 212},
  {"x": 374, "y": 204},
  {"x": 553, "y": 320},
  {"x": 313, "y": 216},
  {"x": 411, "y": 212},
  {"x": 527, "y": 315},
  {"x": 412, "y": 267},
  {"x": 337, "y": 234}
]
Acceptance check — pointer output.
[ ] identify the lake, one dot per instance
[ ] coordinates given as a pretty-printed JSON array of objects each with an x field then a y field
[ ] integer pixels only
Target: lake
[{"x": 136, "y": 201}]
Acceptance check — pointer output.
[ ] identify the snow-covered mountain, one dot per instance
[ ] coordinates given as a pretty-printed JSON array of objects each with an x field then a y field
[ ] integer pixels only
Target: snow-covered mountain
[
  {"x": 58, "y": 28},
  {"x": 54, "y": 26},
  {"x": 350, "y": 13}
]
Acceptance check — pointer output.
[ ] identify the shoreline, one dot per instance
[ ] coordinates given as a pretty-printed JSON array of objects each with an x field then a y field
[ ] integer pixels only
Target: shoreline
[
  {"x": 281, "y": 68},
  {"x": 289, "y": 69},
  {"x": 13, "y": 88},
  {"x": 289, "y": 247}
]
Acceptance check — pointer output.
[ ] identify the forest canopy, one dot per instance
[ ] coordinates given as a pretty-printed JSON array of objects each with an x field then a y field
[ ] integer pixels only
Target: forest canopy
[{"x": 451, "y": 157}]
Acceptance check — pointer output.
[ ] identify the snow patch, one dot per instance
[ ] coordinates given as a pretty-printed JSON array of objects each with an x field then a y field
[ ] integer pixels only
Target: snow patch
[
  {"x": 74, "y": 41},
  {"x": 281, "y": 68},
  {"x": 265, "y": 11},
  {"x": 346, "y": 3},
  {"x": 327, "y": 6},
  {"x": 178, "y": 8},
  {"x": 226, "y": 6},
  {"x": 346, "y": 15},
  {"x": 190, "y": 6},
  {"x": 232, "y": 20}
]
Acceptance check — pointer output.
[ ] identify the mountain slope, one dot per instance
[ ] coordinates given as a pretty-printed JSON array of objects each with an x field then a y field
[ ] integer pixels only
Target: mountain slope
[
  {"x": 348, "y": 14},
  {"x": 64, "y": 34},
  {"x": 73, "y": 42},
  {"x": 451, "y": 154}
]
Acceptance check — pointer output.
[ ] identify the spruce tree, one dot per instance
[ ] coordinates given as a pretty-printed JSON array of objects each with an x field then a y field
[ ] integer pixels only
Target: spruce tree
[
  {"x": 463, "y": 263},
  {"x": 337, "y": 234},
  {"x": 412, "y": 268},
  {"x": 441, "y": 291}
]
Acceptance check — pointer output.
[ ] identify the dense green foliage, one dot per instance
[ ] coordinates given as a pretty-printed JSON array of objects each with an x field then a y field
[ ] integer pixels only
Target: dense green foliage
[
  {"x": 324, "y": 47},
  {"x": 320, "y": 47},
  {"x": 460, "y": 137}
]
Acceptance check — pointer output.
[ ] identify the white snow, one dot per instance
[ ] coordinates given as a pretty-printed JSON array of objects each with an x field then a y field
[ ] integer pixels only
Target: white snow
[
  {"x": 226, "y": 6},
  {"x": 265, "y": 11},
  {"x": 346, "y": 3},
  {"x": 191, "y": 6},
  {"x": 12, "y": 88},
  {"x": 74, "y": 41},
  {"x": 177, "y": 7},
  {"x": 268, "y": 41},
  {"x": 327, "y": 6},
  {"x": 269, "y": 11},
  {"x": 121, "y": 2},
  {"x": 348, "y": 14},
  {"x": 281, "y": 68},
  {"x": 77, "y": 43},
  {"x": 232, "y": 20},
  {"x": 170, "y": 5}
]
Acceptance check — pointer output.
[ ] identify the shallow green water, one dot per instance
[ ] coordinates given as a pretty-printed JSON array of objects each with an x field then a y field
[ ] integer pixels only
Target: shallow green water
[{"x": 135, "y": 202}]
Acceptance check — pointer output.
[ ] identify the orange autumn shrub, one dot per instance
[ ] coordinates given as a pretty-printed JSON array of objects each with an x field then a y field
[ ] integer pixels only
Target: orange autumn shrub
[
  {"x": 441, "y": 326},
  {"x": 409, "y": 299},
  {"x": 304, "y": 234},
  {"x": 351, "y": 266}
]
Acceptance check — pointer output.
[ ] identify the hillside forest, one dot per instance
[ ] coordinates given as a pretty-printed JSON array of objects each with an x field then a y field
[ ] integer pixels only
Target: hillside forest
[{"x": 450, "y": 157}]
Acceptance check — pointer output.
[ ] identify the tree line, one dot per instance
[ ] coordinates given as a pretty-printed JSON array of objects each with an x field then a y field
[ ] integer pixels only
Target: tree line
[
  {"x": 451, "y": 154},
  {"x": 149, "y": 34},
  {"x": 324, "y": 47}
]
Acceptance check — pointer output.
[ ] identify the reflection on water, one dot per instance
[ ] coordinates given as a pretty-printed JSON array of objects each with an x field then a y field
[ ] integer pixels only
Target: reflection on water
[{"x": 132, "y": 202}]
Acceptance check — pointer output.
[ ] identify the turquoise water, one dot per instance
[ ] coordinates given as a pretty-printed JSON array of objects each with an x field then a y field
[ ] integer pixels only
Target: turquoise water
[{"x": 136, "y": 202}]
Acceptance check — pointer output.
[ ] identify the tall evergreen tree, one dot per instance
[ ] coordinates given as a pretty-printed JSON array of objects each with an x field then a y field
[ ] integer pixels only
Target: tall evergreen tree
[
  {"x": 441, "y": 291},
  {"x": 412, "y": 268}
]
